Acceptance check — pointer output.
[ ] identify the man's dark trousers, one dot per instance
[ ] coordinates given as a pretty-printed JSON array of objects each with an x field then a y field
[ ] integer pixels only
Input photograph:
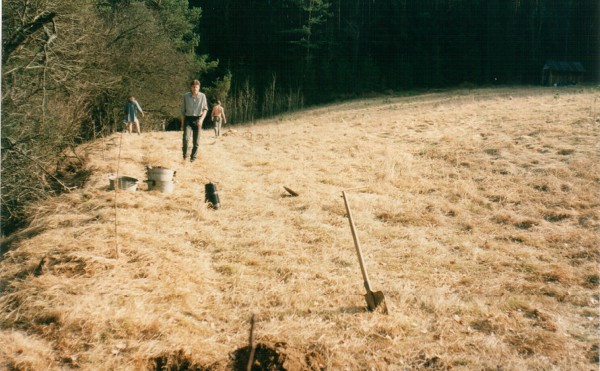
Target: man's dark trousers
[{"x": 191, "y": 128}]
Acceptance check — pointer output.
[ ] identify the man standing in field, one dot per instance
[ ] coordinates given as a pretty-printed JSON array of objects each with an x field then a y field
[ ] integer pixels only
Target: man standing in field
[
  {"x": 193, "y": 111},
  {"x": 218, "y": 117}
]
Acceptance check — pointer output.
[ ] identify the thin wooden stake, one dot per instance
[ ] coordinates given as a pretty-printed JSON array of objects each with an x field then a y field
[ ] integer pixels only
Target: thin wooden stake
[
  {"x": 252, "y": 344},
  {"x": 116, "y": 188}
]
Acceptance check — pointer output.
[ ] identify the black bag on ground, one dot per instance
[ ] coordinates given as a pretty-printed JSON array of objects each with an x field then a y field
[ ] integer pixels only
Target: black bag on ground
[{"x": 211, "y": 195}]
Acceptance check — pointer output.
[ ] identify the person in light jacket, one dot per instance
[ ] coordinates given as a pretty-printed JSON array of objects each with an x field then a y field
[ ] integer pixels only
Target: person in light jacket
[{"x": 193, "y": 112}]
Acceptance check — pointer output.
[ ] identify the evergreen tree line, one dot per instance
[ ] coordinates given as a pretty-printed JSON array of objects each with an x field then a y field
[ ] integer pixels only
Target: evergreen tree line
[{"x": 295, "y": 52}]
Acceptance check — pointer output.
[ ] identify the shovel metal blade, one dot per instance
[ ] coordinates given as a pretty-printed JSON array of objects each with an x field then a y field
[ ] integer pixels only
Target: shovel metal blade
[{"x": 376, "y": 300}]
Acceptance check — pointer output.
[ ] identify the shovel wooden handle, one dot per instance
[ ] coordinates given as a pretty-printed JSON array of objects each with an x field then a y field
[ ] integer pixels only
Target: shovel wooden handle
[{"x": 357, "y": 244}]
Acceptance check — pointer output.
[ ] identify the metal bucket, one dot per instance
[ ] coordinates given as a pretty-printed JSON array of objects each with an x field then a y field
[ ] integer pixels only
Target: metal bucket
[
  {"x": 211, "y": 195},
  {"x": 124, "y": 182},
  {"x": 163, "y": 187},
  {"x": 161, "y": 174}
]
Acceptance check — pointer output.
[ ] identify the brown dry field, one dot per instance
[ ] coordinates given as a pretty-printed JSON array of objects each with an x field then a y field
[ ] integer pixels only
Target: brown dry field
[{"x": 479, "y": 221}]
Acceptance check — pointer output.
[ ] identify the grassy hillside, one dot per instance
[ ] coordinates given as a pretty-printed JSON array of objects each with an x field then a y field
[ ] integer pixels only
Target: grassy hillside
[{"x": 479, "y": 220}]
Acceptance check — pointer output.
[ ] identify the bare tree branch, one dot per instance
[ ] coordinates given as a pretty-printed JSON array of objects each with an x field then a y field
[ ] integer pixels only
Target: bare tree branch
[
  {"x": 19, "y": 151},
  {"x": 18, "y": 38}
]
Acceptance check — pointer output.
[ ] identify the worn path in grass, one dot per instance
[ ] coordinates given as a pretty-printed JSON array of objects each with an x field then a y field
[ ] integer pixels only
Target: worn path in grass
[{"x": 479, "y": 221}]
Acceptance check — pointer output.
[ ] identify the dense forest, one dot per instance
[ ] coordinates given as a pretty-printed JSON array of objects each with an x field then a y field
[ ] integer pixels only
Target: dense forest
[
  {"x": 318, "y": 50},
  {"x": 68, "y": 67}
]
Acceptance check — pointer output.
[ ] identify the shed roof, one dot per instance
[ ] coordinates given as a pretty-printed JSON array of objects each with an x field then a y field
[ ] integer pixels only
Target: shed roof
[{"x": 559, "y": 66}]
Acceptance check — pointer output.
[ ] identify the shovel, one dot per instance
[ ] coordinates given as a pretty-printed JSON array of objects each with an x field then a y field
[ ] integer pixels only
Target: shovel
[{"x": 374, "y": 299}]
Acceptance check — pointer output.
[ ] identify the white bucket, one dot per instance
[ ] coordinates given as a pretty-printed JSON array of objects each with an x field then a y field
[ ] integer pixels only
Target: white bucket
[
  {"x": 161, "y": 174},
  {"x": 123, "y": 182}
]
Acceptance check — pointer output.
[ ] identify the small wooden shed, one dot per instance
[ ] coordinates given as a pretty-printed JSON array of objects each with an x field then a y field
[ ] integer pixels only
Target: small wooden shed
[{"x": 557, "y": 73}]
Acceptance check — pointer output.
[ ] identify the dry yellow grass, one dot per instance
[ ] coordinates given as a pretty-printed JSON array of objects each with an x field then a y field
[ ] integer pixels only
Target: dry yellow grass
[{"x": 479, "y": 221}]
